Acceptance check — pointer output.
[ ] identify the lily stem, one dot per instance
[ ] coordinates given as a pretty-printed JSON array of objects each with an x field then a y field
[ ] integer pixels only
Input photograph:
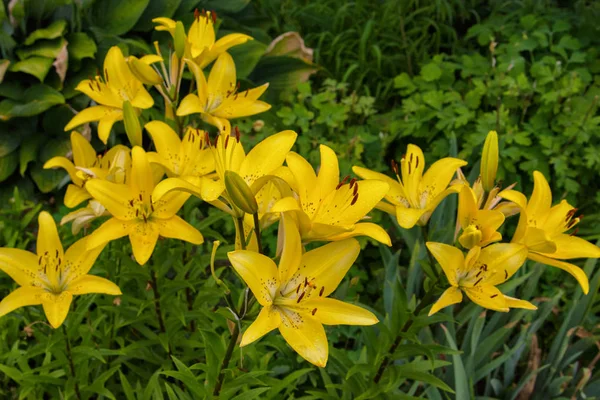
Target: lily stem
[
  {"x": 425, "y": 301},
  {"x": 257, "y": 232},
  {"x": 71, "y": 364},
  {"x": 240, "y": 224},
  {"x": 232, "y": 342},
  {"x": 161, "y": 321},
  {"x": 425, "y": 233}
]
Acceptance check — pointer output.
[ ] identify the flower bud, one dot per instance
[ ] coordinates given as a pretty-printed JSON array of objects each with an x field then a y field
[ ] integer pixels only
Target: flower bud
[
  {"x": 470, "y": 237},
  {"x": 143, "y": 72},
  {"x": 240, "y": 193},
  {"x": 132, "y": 124},
  {"x": 179, "y": 38},
  {"x": 489, "y": 161}
]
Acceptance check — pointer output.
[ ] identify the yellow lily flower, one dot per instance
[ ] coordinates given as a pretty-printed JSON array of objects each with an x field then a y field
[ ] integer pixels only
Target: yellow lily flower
[
  {"x": 327, "y": 209},
  {"x": 118, "y": 86},
  {"x": 480, "y": 227},
  {"x": 294, "y": 296},
  {"x": 52, "y": 276},
  {"x": 200, "y": 44},
  {"x": 414, "y": 197},
  {"x": 138, "y": 211},
  {"x": 218, "y": 100},
  {"x": 113, "y": 166},
  {"x": 478, "y": 274},
  {"x": 542, "y": 229}
]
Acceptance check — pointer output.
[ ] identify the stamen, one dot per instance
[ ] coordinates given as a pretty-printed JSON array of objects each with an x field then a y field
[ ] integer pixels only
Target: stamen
[
  {"x": 417, "y": 164},
  {"x": 354, "y": 200},
  {"x": 305, "y": 281},
  {"x": 395, "y": 167},
  {"x": 141, "y": 198},
  {"x": 237, "y": 134},
  {"x": 300, "y": 298},
  {"x": 479, "y": 280},
  {"x": 505, "y": 274},
  {"x": 298, "y": 288},
  {"x": 321, "y": 291}
]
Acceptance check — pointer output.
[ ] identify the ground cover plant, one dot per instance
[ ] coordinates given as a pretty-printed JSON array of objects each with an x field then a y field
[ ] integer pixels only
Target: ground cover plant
[{"x": 219, "y": 226}]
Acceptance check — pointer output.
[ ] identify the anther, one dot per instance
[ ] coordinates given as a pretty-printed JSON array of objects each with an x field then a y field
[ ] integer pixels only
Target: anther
[
  {"x": 394, "y": 167},
  {"x": 214, "y": 16},
  {"x": 352, "y": 182},
  {"x": 141, "y": 198},
  {"x": 505, "y": 274},
  {"x": 305, "y": 281},
  {"x": 479, "y": 273},
  {"x": 226, "y": 141},
  {"x": 106, "y": 74},
  {"x": 417, "y": 164},
  {"x": 321, "y": 291},
  {"x": 314, "y": 311},
  {"x": 298, "y": 288},
  {"x": 300, "y": 298},
  {"x": 237, "y": 133},
  {"x": 478, "y": 280},
  {"x": 354, "y": 200}
]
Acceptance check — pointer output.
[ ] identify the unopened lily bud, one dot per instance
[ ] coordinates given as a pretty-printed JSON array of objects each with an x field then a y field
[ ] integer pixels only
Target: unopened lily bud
[
  {"x": 132, "y": 124},
  {"x": 179, "y": 39},
  {"x": 470, "y": 237},
  {"x": 143, "y": 72},
  {"x": 240, "y": 193},
  {"x": 489, "y": 161}
]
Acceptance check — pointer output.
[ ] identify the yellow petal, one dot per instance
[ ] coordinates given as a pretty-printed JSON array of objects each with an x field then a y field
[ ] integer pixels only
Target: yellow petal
[
  {"x": 241, "y": 107},
  {"x": 487, "y": 296},
  {"x": 201, "y": 85},
  {"x": 101, "y": 93},
  {"x": 329, "y": 173},
  {"x": 412, "y": 166},
  {"x": 467, "y": 206},
  {"x": 306, "y": 180},
  {"x": 93, "y": 284},
  {"x": 143, "y": 237},
  {"x": 502, "y": 260},
  {"x": 568, "y": 247},
  {"x": 115, "y": 197},
  {"x": 48, "y": 242},
  {"x": 259, "y": 272},
  {"x": 395, "y": 193},
  {"x": 222, "y": 124},
  {"x": 75, "y": 195},
  {"x": 432, "y": 204},
  {"x": 538, "y": 240},
  {"x": 177, "y": 228},
  {"x": 142, "y": 180},
  {"x": 153, "y": 58},
  {"x": 208, "y": 190},
  {"x": 439, "y": 175},
  {"x": 66, "y": 164},
  {"x": 408, "y": 217},
  {"x": 574, "y": 270},
  {"x": 449, "y": 257},
  {"x": 116, "y": 69},
  {"x": 267, "y": 320},
  {"x": 335, "y": 312},
  {"x": 369, "y": 229},
  {"x": 190, "y": 105},
  {"x": 110, "y": 230},
  {"x": 56, "y": 307},
  {"x": 452, "y": 295},
  {"x": 267, "y": 155},
  {"x": 81, "y": 258},
  {"x": 90, "y": 114},
  {"x": 291, "y": 256},
  {"x": 286, "y": 204},
  {"x": 228, "y": 41},
  {"x": 165, "y": 24},
  {"x": 307, "y": 337},
  {"x": 84, "y": 154},
  {"x": 167, "y": 143},
  {"x": 21, "y": 297},
  {"x": 221, "y": 80},
  {"x": 516, "y": 197},
  {"x": 19, "y": 264},
  {"x": 142, "y": 98},
  {"x": 541, "y": 198},
  {"x": 511, "y": 302},
  {"x": 201, "y": 34},
  {"x": 106, "y": 123}
]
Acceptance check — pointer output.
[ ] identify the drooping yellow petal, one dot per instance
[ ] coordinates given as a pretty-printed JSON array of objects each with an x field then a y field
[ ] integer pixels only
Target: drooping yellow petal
[
  {"x": 411, "y": 168},
  {"x": 201, "y": 85},
  {"x": 449, "y": 257},
  {"x": 267, "y": 320},
  {"x": 93, "y": 284},
  {"x": 66, "y": 164},
  {"x": 21, "y": 297},
  {"x": 572, "y": 269},
  {"x": 207, "y": 190},
  {"x": 110, "y": 230},
  {"x": 408, "y": 217},
  {"x": 395, "y": 192},
  {"x": 115, "y": 66},
  {"x": 335, "y": 312},
  {"x": 75, "y": 196},
  {"x": 307, "y": 337},
  {"x": 267, "y": 155},
  {"x": 286, "y": 204},
  {"x": 221, "y": 81},
  {"x": 568, "y": 247},
  {"x": 190, "y": 105},
  {"x": 95, "y": 113},
  {"x": 259, "y": 272},
  {"x": 369, "y": 229},
  {"x": 177, "y": 228},
  {"x": 452, "y": 295},
  {"x": 487, "y": 296},
  {"x": 19, "y": 264},
  {"x": 56, "y": 307},
  {"x": 291, "y": 256},
  {"x": 143, "y": 237},
  {"x": 511, "y": 302},
  {"x": 106, "y": 123},
  {"x": 439, "y": 175},
  {"x": 142, "y": 180},
  {"x": 241, "y": 107},
  {"x": 541, "y": 198},
  {"x": 165, "y": 24},
  {"x": 115, "y": 197},
  {"x": 502, "y": 260},
  {"x": 48, "y": 242},
  {"x": 516, "y": 197},
  {"x": 467, "y": 206}
]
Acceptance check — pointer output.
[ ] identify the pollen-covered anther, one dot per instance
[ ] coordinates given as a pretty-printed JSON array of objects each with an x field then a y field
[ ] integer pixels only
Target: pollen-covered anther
[
  {"x": 321, "y": 291},
  {"x": 354, "y": 199},
  {"x": 343, "y": 182},
  {"x": 237, "y": 133}
]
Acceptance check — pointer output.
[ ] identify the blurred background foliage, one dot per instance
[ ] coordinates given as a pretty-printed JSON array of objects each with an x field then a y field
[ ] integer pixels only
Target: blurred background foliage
[{"x": 366, "y": 78}]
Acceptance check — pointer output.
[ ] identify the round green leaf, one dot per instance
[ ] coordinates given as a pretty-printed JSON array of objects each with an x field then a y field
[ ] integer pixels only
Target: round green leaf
[{"x": 431, "y": 72}]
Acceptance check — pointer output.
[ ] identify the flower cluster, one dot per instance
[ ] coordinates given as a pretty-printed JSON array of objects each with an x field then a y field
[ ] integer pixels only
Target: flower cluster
[{"x": 138, "y": 193}]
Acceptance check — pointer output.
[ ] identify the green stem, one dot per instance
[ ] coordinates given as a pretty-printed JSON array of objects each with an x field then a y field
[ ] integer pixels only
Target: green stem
[
  {"x": 425, "y": 235},
  {"x": 232, "y": 342},
  {"x": 71, "y": 364},
  {"x": 257, "y": 233},
  {"x": 240, "y": 224},
  {"x": 161, "y": 321}
]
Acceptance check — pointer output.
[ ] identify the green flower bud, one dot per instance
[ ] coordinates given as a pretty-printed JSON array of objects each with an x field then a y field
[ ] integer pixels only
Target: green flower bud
[
  {"x": 240, "y": 193},
  {"x": 180, "y": 39},
  {"x": 489, "y": 161},
  {"x": 132, "y": 124}
]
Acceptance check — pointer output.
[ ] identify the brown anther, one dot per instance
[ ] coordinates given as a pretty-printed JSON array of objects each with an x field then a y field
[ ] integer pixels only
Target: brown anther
[
  {"x": 314, "y": 311},
  {"x": 106, "y": 74},
  {"x": 137, "y": 213},
  {"x": 575, "y": 232},
  {"x": 91, "y": 87},
  {"x": 131, "y": 202},
  {"x": 411, "y": 158},
  {"x": 478, "y": 280},
  {"x": 505, "y": 274},
  {"x": 145, "y": 220},
  {"x": 246, "y": 93},
  {"x": 352, "y": 182},
  {"x": 417, "y": 164},
  {"x": 479, "y": 273},
  {"x": 343, "y": 182},
  {"x": 196, "y": 14},
  {"x": 321, "y": 291},
  {"x": 56, "y": 255},
  {"x": 394, "y": 167},
  {"x": 305, "y": 281},
  {"x": 226, "y": 141},
  {"x": 354, "y": 200},
  {"x": 298, "y": 288},
  {"x": 141, "y": 198},
  {"x": 213, "y": 14},
  {"x": 300, "y": 298},
  {"x": 40, "y": 261},
  {"x": 237, "y": 133},
  {"x": 207, "y": 138},
  {"x": 355, "y": 190}
]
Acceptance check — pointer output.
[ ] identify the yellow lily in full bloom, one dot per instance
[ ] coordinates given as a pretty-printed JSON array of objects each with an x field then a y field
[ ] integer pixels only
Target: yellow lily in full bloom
[
  {"x": 200, "y": 43},
  {"x": 218, "y": 99},
  {"x": 480, "y": 227},
  {"x": 52, "y": 276},
  {"x": 139, "y": 212},
  {"x": 111, "y": 92},
  {"x": 414, "y": 197},
  {"x": 86, "y": 165},
  {"x": 478, "y": 274},
  {"x": 327, "y": 209},
  {"x": 294, "y": 296},
  {"x": 542, "y": 229}
]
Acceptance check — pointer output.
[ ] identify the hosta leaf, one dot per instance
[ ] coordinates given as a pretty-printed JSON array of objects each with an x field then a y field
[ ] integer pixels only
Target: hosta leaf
[
  {"x": 81, "y": 46},
  {"x": 36, "y": 66},
  {"x": 47, "y": 48},
  {"x": 117, "y": 17},
  {"x": 8, "y": 165},
  {"x": 53, "y": 31}
]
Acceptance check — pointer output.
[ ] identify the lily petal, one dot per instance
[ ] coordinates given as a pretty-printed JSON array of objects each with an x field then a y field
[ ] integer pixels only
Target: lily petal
[
  {"x": 167, "y": 143},
  {"x": 449, "y": 257},
  {"x": 541, "y": 198},
  {"x": 369, "y": 229},
  {"x": 21, "y": 297},
  {"x": 75, "y": 195},
  {"x": 190, "y": 105},
  {"x": 142, "y": 178},
  {"x": 67, "y": 165},
  {"x": 228, "y": 41},
  {"x": 93, "y": 284},
  {"x": 291, "y": 244},
  {"x": 572, "y": 269},
  {"x": 114, "y": 196},
  {"x": 267, "y": 155},
  {"x": 259, "y": 272},
  {"x": 221, "y": 81},
  {"x": 56, "y": 307},
  {"x": 329, "y": 173},
  {"x": 176, "y": 228},
  {"x": 395, "y": 193},
  {"x": 267, "y": 320},
  {"x": 90, "y": 114},
  {"x": 110, "y": 230},
  {"x": 439, "y": 175},
  {"x": 537, "y": 240},
  {"x": 81, "y": 258},
  {"x": 143, "y": 237},
  {"x": 408, "y": 217},
  {"x": 48, "y": 242},
  {"x": 568, "y": 247},
  {"x": 84, "y": 154},
  {"x": 452, "y": 295},
  {"x": 307, "y": 337},
  {"x": 19, "y": 264},
  {"x": 511, "y": 302},
  {"x": 335, "y": 312},
  {"x": 502, "y": 260},
  {"x": 306, "y": 181},
  {"x": 487, "y": 296}
]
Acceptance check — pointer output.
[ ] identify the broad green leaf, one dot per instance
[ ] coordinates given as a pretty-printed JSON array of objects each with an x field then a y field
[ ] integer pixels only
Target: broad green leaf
[
  {"x": 246, "y": 56},
  {"x": 117, "y": 17},
  {"x": 53, "y": 31},
  {"x": 226, "y": 6},
  {"x": 81, "y": 46},
  {"x": 282, "y": 72},
  {"x": 36, "y": 66},
  {"x": 156, "y": 8},
  {"x": 46, "y": 48},
  {"x": 8, "y": 165},
  {"x": 36, "y": 100},
  {"x": 461, "y": 383},
  {"x": 9, "y": 141}
]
